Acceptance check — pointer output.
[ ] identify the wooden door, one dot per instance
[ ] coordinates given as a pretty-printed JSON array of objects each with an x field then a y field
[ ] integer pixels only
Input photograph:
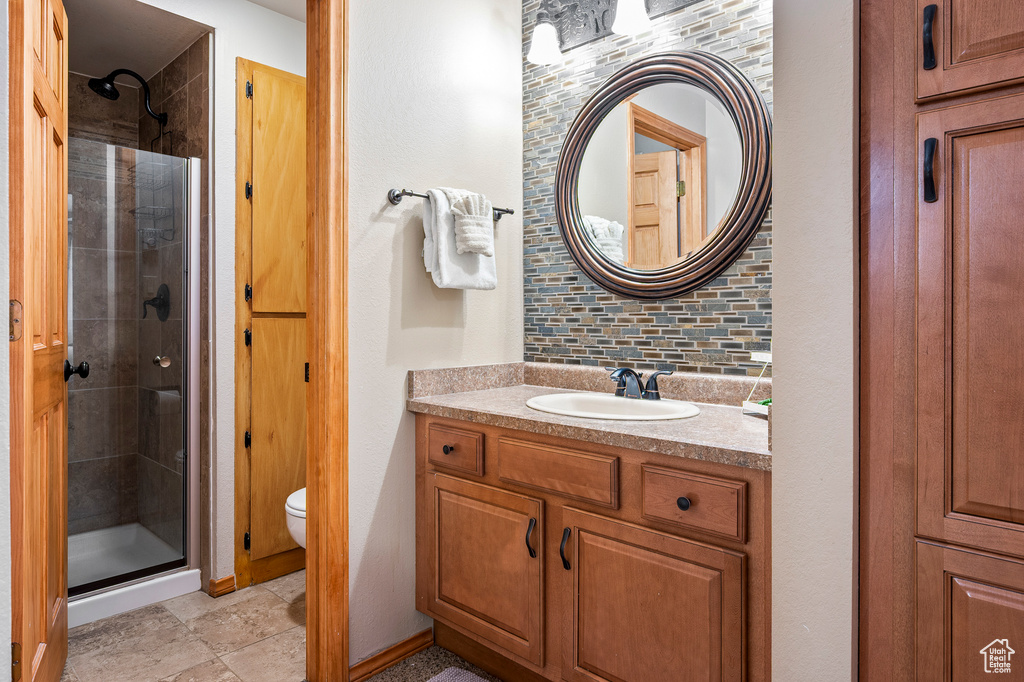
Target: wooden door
[
  {"x": 270, "y": 396},
  {"x": 486, "y": 579},
  {"x": 38, "y": 259},
  {"x": 654, "y": 213},
  {"x": 970, "y": 615},
  {"x": 973, "y": 45},
  {"x": 644, "y": 606},
  {"x": 970, "y": 332},
  {"x": 278, "y": 459}
]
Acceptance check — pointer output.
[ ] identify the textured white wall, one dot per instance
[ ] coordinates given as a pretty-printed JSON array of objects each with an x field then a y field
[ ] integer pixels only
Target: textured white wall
[
  {"x": 5, "y": 406},
  {"x": 435, "y": 99},
  {"x": 241, "y": 29},
  {"x": 815, "y": 313}
]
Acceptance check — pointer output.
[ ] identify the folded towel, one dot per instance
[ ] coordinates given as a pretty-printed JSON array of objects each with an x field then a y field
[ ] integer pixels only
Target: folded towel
[
  {"x": 607, "y": 234},
  {"x": 449, "y": 268},
  {"x": 474, "y": 222}
]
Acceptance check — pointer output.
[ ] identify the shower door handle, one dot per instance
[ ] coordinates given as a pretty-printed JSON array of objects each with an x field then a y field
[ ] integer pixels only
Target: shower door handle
[
  {"x": 162, "y": 361},
  {"x": 82, "y": 370}
]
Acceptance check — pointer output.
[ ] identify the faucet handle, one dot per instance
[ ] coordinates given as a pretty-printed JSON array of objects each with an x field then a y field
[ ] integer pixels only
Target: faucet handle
[{"x": 651, "y": 389}]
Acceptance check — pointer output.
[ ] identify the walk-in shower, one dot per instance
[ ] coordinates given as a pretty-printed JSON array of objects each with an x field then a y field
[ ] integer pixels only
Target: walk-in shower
[{"x": 132, "y": 311}]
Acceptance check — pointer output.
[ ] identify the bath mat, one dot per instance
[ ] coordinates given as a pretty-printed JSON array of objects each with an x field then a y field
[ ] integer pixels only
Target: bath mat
[{"x": 455, "y": 675}]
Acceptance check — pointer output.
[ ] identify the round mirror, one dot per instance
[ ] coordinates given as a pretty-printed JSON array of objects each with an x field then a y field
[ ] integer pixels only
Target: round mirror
[{"x": 665, "y": 175}]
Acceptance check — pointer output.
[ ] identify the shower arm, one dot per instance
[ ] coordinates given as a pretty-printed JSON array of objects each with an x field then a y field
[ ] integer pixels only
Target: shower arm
[{"x": 162, "y": 118}]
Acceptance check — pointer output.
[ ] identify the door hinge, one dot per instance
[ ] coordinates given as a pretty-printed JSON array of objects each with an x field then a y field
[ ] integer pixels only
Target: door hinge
[
  {"x": 248, "y": 89},
  {"x": 248, "y": 190},
  {"x": 16, "y": 315},
  {"x": 248, "y": 337},
  {"x": 681, "y": 188},
  {"x": 248, "y": 293},
  {"x": 307, "y": 372},
  {"x": 15, "y": 661},
  {"x": 247, "y": 542},
  {"x": 248, "y": 439}
]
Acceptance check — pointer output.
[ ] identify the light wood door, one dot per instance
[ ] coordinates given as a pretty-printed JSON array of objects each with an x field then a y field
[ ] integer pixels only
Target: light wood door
[
  {"x": 970, "y": 615},
  {"x": 654, "y": 215},
  {"x": 975, "y": 45},
  {"x": 38, "y": 259},
  {"x": 970, "y": 331},
  {"x": 644, "y": 606},
  {"x": 486, "y": 581},
  {"x": 279, "y": 191},
  {"x": 278, "y": 429}
]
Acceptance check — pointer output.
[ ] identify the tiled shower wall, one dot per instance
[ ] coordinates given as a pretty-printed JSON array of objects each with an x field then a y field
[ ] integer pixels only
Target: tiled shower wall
[{"x": 570, "y": 320}]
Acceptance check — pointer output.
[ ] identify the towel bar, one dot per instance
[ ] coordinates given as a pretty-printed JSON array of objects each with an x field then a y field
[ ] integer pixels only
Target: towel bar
[{"x": 395, "y": 197}]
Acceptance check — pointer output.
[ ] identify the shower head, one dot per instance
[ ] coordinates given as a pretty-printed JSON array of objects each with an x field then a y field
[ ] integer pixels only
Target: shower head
[{"x": 104, "y": 87}]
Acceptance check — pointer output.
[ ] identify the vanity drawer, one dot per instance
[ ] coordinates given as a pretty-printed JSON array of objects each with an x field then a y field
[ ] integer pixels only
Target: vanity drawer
[
  {"x": 712, "y": 505},
  {"x": 456, "y": 449},
  {"x": 569, "y": 473}
]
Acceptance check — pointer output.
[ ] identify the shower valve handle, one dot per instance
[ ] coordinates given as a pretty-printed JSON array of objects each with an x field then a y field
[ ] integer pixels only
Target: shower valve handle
[{"x": 162, "y": 361}]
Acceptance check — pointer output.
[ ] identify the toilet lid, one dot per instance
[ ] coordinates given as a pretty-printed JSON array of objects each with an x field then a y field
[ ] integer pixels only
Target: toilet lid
[{"x": 296, "y": 503}]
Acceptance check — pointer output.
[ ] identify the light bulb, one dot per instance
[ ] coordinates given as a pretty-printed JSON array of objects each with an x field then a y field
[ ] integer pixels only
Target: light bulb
[
  {"x": 631, "y": 18},
  {"x": 544, "y": 48}
]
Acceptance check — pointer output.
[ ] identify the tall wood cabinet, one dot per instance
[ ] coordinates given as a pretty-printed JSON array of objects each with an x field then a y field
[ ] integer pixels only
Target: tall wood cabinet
[
  {"x": 942, "y": 468},
  {"x": 541, "y": 558}
]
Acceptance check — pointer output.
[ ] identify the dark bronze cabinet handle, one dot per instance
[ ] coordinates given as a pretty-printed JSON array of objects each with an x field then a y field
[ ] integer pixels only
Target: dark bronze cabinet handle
[
  {"x": 82, "y": 370},
  {"x": 683, "y": 503},
  {"x": 930, "y": 195},
  {"x": 529, "y": 532},
  {"x": 928, "y": 44},
  {"x": 561, "y": 550},
  {"x": 448, "y": 449}
]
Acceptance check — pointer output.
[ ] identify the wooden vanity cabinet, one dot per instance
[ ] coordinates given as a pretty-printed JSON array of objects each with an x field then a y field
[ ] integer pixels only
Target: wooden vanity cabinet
[{"x": 638, "y": 591}]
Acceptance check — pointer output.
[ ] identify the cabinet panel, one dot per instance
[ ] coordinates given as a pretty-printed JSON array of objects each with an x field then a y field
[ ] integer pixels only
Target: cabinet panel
[
  {"x": 650, "y": 607},
  {"x": 975, "y": 45},
  {"x": 971, "y": 340},
  {"x": 456, "y": 449},
  {"x": 486, "y": 581},
  {"x": 703, "y": 503},
  {"x": 970, "y": 613},
  {"x": 569, "y": 473}
]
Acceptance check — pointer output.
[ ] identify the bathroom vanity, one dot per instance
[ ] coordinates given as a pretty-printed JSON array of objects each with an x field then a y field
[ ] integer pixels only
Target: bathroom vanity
[{"x": 560, "y": 548}]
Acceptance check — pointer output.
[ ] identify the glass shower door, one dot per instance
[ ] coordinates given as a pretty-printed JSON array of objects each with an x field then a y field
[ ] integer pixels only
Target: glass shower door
[{"x": 127, "y": 235}]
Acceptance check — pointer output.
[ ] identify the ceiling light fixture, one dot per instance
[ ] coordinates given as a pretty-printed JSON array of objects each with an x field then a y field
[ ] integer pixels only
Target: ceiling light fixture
[{"x": 631, "y": 18}]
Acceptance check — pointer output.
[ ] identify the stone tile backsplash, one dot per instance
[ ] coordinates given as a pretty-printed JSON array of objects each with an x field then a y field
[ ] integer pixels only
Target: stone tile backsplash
[{"x": 568, "y": 319}]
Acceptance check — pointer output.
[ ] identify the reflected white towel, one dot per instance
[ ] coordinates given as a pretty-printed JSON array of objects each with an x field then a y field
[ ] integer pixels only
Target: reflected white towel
[
  {"x": 449, "y": 268},
  {"x": 607, "y": 234},
  {"x": 474, "y": 223}
]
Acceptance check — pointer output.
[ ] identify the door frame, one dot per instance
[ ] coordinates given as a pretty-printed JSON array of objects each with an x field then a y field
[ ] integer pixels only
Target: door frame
[{"x": 327, "y": 574}]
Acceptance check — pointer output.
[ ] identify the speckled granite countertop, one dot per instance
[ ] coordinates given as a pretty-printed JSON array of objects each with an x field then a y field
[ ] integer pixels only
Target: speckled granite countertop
[{"x": 718, "y": 434}]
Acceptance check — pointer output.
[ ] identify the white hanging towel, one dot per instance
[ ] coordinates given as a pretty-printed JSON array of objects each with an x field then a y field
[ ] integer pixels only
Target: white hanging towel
[
  {"x": 474, "y": 223},
  {"x": 449, "y": 268}
]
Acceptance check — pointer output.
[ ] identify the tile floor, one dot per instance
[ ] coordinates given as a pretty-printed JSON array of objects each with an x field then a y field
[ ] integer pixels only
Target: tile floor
[{"x": 254, "y": 635}]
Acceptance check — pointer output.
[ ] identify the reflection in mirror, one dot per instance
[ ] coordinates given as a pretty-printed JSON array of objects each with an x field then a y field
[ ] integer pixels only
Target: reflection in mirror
[{"x": 658, "y": 176}]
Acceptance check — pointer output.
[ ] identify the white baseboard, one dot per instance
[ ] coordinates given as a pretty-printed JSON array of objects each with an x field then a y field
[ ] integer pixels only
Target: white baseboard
[{"x": 131, "y": 597}]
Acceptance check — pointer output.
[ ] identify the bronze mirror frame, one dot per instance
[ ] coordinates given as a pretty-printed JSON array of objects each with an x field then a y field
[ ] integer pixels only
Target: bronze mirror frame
[{"x": 749, "y": 112}]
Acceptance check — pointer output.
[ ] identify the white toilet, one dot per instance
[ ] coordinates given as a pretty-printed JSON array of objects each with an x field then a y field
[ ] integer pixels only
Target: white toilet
[{"x": 295, "y": 514}]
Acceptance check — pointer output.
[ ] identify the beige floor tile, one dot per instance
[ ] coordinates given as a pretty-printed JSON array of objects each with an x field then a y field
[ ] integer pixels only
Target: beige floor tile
[
  {"x": 281, "y": 658},
  {"x": 142, "y": 646},
  {"x": 291, "y": 587},
  {"x": 228, "y": 629},
  {"x": 69, "y": 674},
  {"x": 211, "y": 671},
  {"x": 197, "y": 604}
]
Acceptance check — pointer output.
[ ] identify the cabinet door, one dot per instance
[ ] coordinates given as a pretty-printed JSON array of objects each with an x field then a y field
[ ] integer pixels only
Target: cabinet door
[
  {"x": 970, "y": 328},
  {"x": 649, "y": 607},
  {"x": 487, "y": 556},
  {"x": 970, "y": 614},
  {"x": 972, "y": 45}
]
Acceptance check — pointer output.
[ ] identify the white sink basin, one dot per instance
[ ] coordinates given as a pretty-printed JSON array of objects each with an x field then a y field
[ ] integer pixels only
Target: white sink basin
[{"x": 604, "y": 406}]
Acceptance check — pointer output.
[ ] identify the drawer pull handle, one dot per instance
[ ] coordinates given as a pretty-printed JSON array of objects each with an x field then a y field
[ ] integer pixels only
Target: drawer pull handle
[
  {"x": 529, "y": 532},
  {"x": 928, "y": 63},
  {"x": 561, "y": 550},
  {"x": 930, "y": 195},
  {"x": 683, "y": 503},
  {"x": 448, "y": 449}
]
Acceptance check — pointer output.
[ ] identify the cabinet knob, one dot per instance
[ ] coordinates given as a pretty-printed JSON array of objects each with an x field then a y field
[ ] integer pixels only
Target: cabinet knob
[
  {"x": 448, "y": 449},
  {"x": 683, "y": 503}
]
